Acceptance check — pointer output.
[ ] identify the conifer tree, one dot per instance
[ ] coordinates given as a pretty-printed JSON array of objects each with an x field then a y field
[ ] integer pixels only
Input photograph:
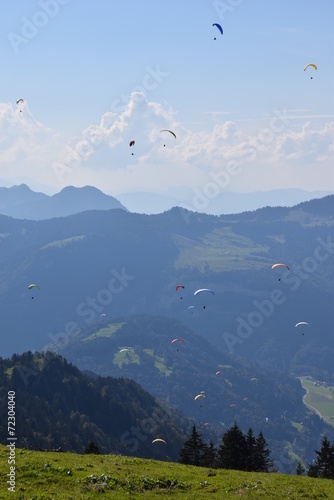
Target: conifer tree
[
  {"x": 210, "y": 455},
  {"x": 193, "y": 450},
  {"x": 251, "y": 451},
  {"x": 263, "y": 462},
  {"x": 324, "y": 464},
  {"x": 232, "y": 453},
  {"x": 300, "y": 469}
]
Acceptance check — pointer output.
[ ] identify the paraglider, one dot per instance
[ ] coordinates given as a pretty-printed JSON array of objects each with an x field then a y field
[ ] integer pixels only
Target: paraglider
[
  {"x": 19, "y": 102},
  {"x": 301, "y": 323},
  {"x": 219, "y": 27},
  {"x": 277, "y": 265},
  {"x": 33, "y": 285},
  {"x": 158, "y": 440},
  {"x": 125, "y": 349},
  {"x": 178, "y": 288},
  {"x": 313, "y": 66},
  {"x": 132, "y": 143},
  {"x": 170, "y": 132},
  {"x": 203, "y": 290},
  {"x": 201, "y": 395},
  {"x": 274, "y": 266},
  {"x": 177, "y": 340}
]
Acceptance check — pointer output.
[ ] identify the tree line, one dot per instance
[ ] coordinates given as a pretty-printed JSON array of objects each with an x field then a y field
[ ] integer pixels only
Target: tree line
[{"x": 237, "y": 451}]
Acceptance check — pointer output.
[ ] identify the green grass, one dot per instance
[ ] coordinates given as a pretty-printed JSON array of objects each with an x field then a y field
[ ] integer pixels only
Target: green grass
[
  {"x": 221, "y": 250},
  {"x": 65, "y": 241},
  {"x": 126, "y": 357},
  {"x": 44, "y": 475},
  {"x": 321, "y": 398},
  {"x": 159, "y": 362},
  {"x": 108, "y": 331}
]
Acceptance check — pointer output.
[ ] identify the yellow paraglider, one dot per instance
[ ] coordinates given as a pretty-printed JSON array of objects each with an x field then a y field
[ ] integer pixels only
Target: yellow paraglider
[{"x": 313, "y": 66}]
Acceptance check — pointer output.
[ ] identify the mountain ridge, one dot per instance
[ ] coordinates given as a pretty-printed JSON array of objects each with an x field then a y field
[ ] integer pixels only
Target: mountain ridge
[{"x": 23, "y": 203}]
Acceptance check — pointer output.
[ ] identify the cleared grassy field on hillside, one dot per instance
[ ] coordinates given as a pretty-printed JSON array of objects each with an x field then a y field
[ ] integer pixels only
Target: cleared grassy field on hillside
[
  {"x": 319, "y": 397},
  {"x": 54, "y": 475}
]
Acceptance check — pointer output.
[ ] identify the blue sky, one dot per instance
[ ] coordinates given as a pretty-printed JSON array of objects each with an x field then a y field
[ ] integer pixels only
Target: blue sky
[{"x": 96, "y": 74}]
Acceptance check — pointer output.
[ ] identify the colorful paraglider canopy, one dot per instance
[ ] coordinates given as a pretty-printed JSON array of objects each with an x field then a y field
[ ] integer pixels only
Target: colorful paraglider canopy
[
  {"x": 132, "y": 143},
  {"x": 177, "y": 340},
  {"x": 158, "y": 440},
  {"x": 219, "y": 27},
  {"x": 313, "y": 66},
  {"x": 179, "y": 286},
  {"x": 280, "y": 265}
]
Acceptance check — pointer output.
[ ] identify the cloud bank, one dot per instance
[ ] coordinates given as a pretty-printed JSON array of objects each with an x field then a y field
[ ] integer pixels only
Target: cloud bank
[{"x": 281, "y": 150}]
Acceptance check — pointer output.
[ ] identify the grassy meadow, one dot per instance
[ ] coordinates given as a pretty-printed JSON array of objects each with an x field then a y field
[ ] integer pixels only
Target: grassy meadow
[
  {"x": 320, "y": 398},
  {"x": 53, "y": 475}
]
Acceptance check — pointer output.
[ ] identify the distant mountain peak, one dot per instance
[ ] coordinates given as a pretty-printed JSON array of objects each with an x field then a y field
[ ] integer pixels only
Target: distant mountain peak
[{"x": 22, "y": 203}]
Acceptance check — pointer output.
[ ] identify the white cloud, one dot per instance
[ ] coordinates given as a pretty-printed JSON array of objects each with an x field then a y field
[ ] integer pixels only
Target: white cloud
[
  {"x": 270, "y": 155},
  {"x": 25, "y": 144}
]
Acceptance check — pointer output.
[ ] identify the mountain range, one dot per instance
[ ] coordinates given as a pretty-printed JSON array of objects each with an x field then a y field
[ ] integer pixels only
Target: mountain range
[
  {"x": 116, "y": 262},
  {"x": 216, "y": 201},
  {"x": 212, "y": 387},
  {"x": 22, "y": 203}
]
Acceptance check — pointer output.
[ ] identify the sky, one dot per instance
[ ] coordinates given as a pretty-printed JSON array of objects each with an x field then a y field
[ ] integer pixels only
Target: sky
[{"x": 96, "y": 74}]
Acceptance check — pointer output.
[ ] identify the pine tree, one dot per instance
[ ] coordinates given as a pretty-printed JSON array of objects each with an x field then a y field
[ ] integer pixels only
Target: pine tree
[
  {"x": 92, "y": 448},
  {"x": 210, "y": 455},
  {"x": 193, "y": 450},
  {"x": 300, "y": 469},
  {"x": 324, "y": 464},
  {"x": 232, "y": 453},
  {"x": 263, "y": 462},
  {"x": 251, "y": 451}
]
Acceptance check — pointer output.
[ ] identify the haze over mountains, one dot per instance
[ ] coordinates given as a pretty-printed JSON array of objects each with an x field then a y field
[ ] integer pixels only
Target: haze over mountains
[
  {"x": 212, "y": 200},
  {"x": 117, "y": 262},
  {"x": 23, "y": 203},
  {"x": 107, "y": 282}
]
